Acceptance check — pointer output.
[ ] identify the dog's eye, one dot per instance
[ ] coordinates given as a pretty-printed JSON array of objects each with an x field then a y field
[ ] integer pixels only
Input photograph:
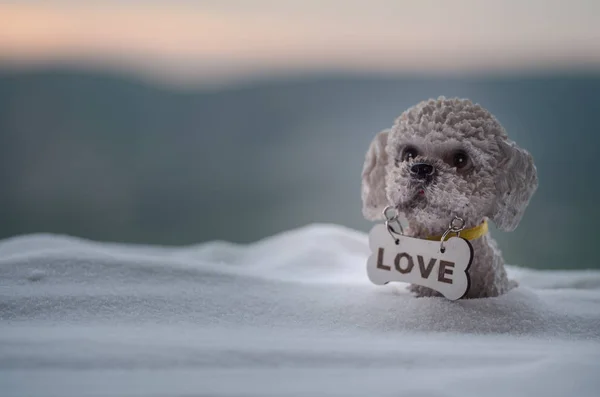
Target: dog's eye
[
  {"x": 460, "y": 160},
  {"x": 409, "y": 154}
]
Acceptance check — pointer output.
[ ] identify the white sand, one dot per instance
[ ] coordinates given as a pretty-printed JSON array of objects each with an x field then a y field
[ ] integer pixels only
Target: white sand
[{"x": 290, "y": 315}]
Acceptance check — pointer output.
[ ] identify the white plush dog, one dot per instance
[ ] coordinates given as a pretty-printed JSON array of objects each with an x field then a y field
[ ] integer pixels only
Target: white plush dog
[{"x": 449, "y": 158}]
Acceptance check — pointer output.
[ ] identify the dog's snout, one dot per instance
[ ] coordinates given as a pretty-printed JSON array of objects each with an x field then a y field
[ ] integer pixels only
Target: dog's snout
[{"x": 421, "y": 170}]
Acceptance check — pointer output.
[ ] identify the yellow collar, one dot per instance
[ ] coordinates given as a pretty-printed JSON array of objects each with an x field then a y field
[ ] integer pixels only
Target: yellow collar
[{"x": 469, "y": 234}]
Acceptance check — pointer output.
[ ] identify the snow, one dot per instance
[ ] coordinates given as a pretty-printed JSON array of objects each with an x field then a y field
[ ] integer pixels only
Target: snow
[{"x": 290, "y": 315}]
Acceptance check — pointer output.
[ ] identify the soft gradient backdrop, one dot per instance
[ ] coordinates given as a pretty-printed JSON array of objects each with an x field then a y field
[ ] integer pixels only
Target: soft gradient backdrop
[{"x": 166, "y": 122}]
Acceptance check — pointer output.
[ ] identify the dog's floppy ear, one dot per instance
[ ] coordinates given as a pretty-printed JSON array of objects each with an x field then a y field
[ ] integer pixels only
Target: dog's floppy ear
[
  {"x": 373, "y": 178},
  {"x": 515, "y": 184}
]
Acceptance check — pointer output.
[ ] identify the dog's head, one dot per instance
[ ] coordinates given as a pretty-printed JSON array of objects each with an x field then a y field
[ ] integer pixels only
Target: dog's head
[{"x": 445, "y": 158}]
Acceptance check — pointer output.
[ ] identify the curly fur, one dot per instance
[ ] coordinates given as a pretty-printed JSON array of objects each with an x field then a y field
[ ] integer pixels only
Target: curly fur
[{"x": 497, "y": 184}]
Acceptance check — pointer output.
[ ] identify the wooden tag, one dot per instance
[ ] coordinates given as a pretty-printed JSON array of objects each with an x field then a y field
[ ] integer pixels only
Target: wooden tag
[{"x": 420, "y": 262}]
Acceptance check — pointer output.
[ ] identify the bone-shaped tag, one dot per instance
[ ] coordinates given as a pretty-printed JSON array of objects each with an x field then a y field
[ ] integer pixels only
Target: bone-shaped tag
[{"x": 420, "y": 262}]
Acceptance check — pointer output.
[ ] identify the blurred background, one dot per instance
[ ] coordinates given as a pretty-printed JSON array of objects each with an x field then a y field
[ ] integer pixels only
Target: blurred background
[{"x": 178, "y": 122}]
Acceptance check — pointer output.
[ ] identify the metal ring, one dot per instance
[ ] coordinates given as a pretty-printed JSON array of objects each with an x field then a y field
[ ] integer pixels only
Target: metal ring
[
  {"x": 457, "y": 229},
  {"x": 452, "y": 229},
  {"x": 389, "y": 220}
]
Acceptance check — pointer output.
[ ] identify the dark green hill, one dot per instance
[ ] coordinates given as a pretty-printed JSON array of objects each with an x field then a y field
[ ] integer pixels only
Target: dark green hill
[{"x": 110, "y": 158}]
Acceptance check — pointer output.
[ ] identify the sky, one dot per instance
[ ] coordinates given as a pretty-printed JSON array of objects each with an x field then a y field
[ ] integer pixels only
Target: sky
[{"x": 226, "y": 40}]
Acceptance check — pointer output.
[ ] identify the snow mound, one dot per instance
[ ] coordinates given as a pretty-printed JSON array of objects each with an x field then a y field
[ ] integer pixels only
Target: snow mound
[{"x": 291, "y": 314}]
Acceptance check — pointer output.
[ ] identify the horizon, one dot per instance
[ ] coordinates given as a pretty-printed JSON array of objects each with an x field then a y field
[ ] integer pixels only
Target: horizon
[{"x": 134, "y": 77}]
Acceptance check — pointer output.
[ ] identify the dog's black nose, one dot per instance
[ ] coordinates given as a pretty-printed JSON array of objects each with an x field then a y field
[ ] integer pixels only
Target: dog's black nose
[{"x": 421, "y": 170}]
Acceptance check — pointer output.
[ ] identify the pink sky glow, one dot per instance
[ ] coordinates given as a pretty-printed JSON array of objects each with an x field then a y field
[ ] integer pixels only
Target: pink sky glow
[{"x": 212, "y": 41}]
